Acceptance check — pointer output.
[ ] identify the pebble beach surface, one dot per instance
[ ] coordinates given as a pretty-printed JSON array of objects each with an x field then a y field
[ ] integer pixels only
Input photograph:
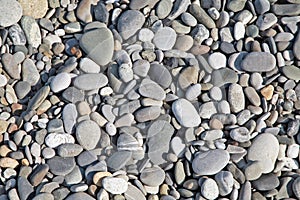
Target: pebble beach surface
[{"x": 149, "y": 99}]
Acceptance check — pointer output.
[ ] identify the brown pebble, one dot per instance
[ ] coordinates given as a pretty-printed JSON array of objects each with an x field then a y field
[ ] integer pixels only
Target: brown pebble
[
  {"x": 76, "y": 51},
  {"x": 3, "y": 126},
  {"x": 25, "y": 162},
  {"x": 200, "y": 49},
  {"x": 16, "y": 107},
  {"x": 267, "y": 92},
  {"x": 4, "y": 150},
  {"x": 216, "y": 124},
  {"x": 92, "y": 190},
  {"x": 8, "y": 163},
  {"x": 12, "y": 128}
]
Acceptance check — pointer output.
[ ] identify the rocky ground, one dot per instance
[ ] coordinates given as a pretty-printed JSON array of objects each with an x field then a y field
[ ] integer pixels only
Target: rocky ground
[{"x": 149, "y": 99}]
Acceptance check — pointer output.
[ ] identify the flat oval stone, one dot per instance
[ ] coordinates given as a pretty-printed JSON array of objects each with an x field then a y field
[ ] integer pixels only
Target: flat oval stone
[
  {"x": 133, "y": 193},
  {"x": 69, "y": 116},
  {"x": 265, "y": 149},
  {"x": 61, "y": 166},
  {"x": 31, "y": 30},
  {"x": 147, "y": 113},
  {"x": 10, "y": 12},
  {"x": 217, "y": 60},
  {"x": 292, "y": 72},
  {"x": 60, "y": 82},
  {"x": 160, "y": 74},
  {"x": 88, "y": 134},
  {"x": 130, "y": 22},
  {"x": 98, "y": 42},
  {"x": 258, "y": 62},
  {"x": 154, "y": 176},
  {"x": 69, "y": 150},
  {"x": 163, "y": 8},
  {"x": 90, "y": 81},
  {"x": 118, "y": 160},
  {"x": 165, "y": 38},
  {"x": 115, "y": 185},
  {"x": 184, "y": 111},
  {"x": 210, "y": 162},
  {"x": 266, "y": 182},
  {"x": 152, "y": 90},
  {"x": 209, "y": 189}
]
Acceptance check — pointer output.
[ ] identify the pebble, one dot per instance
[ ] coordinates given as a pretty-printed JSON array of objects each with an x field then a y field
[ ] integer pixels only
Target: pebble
[
  {"x": 266, "y": 182},
  {"x": 69, "y": 150},
  {"x": 264, "y": 149},
  {"x": 38, "y": 174},
  {"x": 296, "y": 48},
  {"x": 98, "y": 41},
  {"x": 240, "y": 134},
  {"x": 31, "y": 30},
  {"x": 79, "y": 196},
  {"x": 133, "y": 193},
  {"x": 188, "y": 19},
  {"x": 8, "y": 162},
  {"x": 296, "y": 187},
  {"x": 159, "y": 136},
  {"x": 291, "y": 72},
  {"x": 129, "y": 23},
  {"x": 73, "y": 95},
  {"x": 183, "y": 111},
  {"x": 264, "y": 62},
  {"x": 160, "y": 74},
  {"x": 118, "y": 160},
  {"x": 163, "y": 8},
  {"x": 217, "y": 60},
  {"x": 266, "y": 21},
  {"x": 55, "y": 139},
  {"x": 10, "y": 64},
  {"x": 152, "y": 90},
  {"x": 210, "y": 162},
  {"x": 90, "y": 81},
  {"x": 88, "y": 134},
  {"x": 236, "y": 98},
  {"x": 262, "y": 6},
  {"x": 17, "y": 34},
  {"x": 201, "y": 16},
  {"x": 152, "y": 176},
  {"x": 209, "y": 189},
  {"x": 286, "y": 9},
  {"x": 160, "y": 36},
  {"x": 24, "y": 187},
  {"x": 34, "y": 8},
  {"x": 8, "y": 18},
  {"x": 61, "y": 166},
  {"x": 60, "y": 82},
  {"x": 225, "y": 182},
  {"x": 115, "y": 185}
]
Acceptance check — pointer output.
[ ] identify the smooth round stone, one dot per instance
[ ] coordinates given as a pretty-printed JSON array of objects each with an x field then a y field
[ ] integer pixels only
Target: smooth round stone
[
  {"x": 147, "y": 113},
  {"x": 225, "y": 182},
  {"x": 164, "y": 8},
  {"x": 223, "y": 76},
  {"x": 98, "y": 42},
  {"x": 34, "y": 8},
  {"x": 55, "y": 139},
  {"x": 165, "y": 38},
  {"x": 69, "y": 150},
  {"x": 193, "y": 92},
  {"x": 184, "y": 42},
  {"x": 152, "y": 90},
  {"x": 90, "y": 81},
  {"x": 264, "y": 148},
  {"x": 266, "y": 21},
  {"x": 266, "y": 182},
  {"x": 209, "y": 189},
  {"x": 61, "y": 166},
  {"x": 72, "y": 94},
  {"x": 217, "y": 60},
  {"x": 210, "y": 162},
  {"x": 80, "y": 196},
  {"x": 207, "y": 110},
  {"x": 145, "y": 35},
  {"x": 240, "y": 134},
  {"x": 115, "y": 185},
  {"x": 69, "y": 116},
  {"x": 88, "y": 134},
  {"x": 215, "y": 93},
  {"x": 188, "y": 19},
  {"x": 30, "y": 73},
  {"x": 184, "y": 111},
  {"x": 10, "y": 12},
  {"x": 258, "y": 62},
  {"x": 152, "y": 176},
  {"x": 129, "y": 23},
  {"x": 60, "y": 82},
  {"x": 292, "y": 72},
  {"x": 252, "y": 31}
]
